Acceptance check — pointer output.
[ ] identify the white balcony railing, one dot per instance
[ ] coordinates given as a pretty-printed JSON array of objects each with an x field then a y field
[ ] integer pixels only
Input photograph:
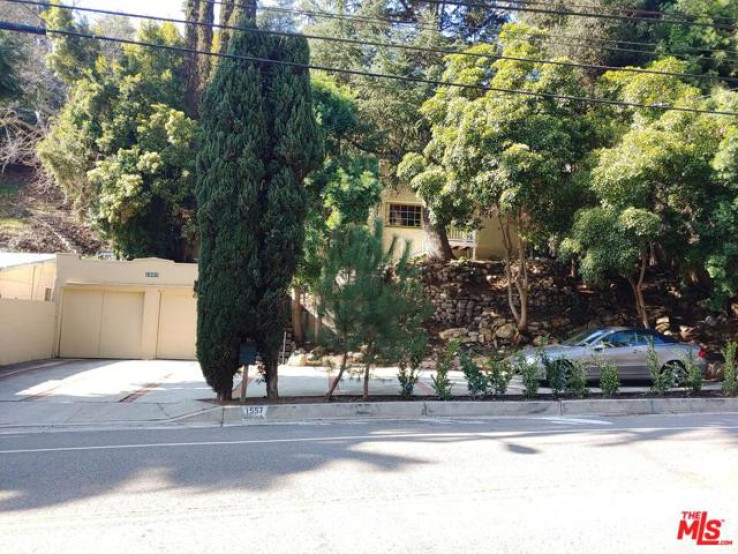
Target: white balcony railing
[{"x": 459, "y": 237}]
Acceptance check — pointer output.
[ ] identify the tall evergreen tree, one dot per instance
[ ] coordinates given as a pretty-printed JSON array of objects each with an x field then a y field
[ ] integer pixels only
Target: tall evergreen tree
[{"x": 259, "y": 142}]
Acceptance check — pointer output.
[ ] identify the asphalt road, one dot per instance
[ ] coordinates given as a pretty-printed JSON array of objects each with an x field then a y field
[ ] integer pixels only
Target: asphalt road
[{"x": 551, "y": 485}]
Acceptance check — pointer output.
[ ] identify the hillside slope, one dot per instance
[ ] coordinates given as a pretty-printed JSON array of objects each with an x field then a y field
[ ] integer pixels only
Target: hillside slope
[{"x": 34, "y": 218}]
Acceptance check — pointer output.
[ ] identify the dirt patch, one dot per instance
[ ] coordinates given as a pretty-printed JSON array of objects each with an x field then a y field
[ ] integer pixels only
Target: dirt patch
[
  {"x": 351, "y": 399},
  {"x": 35, "y": 218}
]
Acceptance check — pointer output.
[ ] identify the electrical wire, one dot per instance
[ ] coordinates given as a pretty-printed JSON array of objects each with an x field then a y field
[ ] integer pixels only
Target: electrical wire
[
  {"x": 380, "y": 44},
  {"x": 492, "y": 5},
  {"x": 15, "y": 27},
  {"x": 685, "y": 50}
]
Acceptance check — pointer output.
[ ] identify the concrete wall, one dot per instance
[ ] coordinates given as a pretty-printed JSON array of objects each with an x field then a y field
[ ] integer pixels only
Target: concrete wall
[
  {"x": 27, "y": 330},
  {"x": 28, "y": 281}
]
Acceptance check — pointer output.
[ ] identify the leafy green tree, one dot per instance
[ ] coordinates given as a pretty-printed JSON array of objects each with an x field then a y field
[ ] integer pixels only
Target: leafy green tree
[
  {"x": 513, "y": 156},
  {"x": 708, "y": 49},
  {"x": 612, "y": 242},
  {"x": 259, "y": 142},
  {"x": 71, "y": 56},
  {"x": 387, "y": 108},
  {"x": 370, "y": 301},
  {"x": 121, "y": 149},
  {"x": 145, "y": 193},
  {"x": 679, "y": 168},
  {"x": 341, "y": 192}
]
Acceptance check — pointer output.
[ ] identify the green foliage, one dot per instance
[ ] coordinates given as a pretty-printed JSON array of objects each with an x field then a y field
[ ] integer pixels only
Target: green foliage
[
  {"x": 530, "y": 374},
  {"x": 730, "y": 381},
  {"x": 345, "y": 188},
  {"x": 371, "y": 301},
  {"x": 576, "y": 384},
  {"x": 663, "y": 378},
  {"x": 557, "y": 373},
  {"x": 476, "y": 380},
  {"x": 609, "y": 378},
  {"x": 122, "y": 150},
  {"x": 408, "y": 378},
  {"x": 259, "y": 142},
  {"x": 145, "y": 195},
  {"x": 442, "y": 385},
  {"x": 692, "y": 374},
  {"x": 412, "y": 346},
  {"x": 609, "y": 241},
  {"x": 71, "y": 57},
  {"x": 499, "y": 375}
]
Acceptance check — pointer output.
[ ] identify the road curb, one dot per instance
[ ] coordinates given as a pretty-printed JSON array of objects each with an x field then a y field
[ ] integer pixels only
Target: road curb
[{"x": 296, "y": 413}]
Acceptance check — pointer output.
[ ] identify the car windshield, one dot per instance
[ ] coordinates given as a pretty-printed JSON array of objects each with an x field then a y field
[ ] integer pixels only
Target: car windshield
[{"x": 584, "y": 337}]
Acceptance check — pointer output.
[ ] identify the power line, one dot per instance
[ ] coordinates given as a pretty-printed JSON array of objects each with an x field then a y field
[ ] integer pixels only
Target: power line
[
  {"x": 4, "y": 25},
  {"x": 380, "y": 44},
  {"x": 553, "y": 38},
  {"x": 639, "y": 11},
  {"x": 584, "y": 14}
]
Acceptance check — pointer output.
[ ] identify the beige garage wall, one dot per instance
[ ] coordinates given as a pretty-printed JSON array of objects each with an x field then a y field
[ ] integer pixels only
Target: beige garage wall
[
  {"x": 33, "y": 281},
  {"x": 27, "y": 330}
]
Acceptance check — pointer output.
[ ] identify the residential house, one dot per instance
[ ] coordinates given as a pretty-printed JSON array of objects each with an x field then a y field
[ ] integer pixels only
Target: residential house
[{"x": 402, "y": 213}]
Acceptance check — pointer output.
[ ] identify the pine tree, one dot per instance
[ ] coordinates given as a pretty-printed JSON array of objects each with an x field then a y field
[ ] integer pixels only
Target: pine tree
[{"x": 259, "y": 143}]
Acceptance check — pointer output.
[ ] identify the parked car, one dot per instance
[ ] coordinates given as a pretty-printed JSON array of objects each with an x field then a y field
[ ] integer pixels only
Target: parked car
[{"x": 623, "y": 347}]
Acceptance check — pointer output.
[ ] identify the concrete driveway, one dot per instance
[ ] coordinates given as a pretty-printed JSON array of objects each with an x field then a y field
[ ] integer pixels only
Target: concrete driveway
[{"x": 68, "y": 392}]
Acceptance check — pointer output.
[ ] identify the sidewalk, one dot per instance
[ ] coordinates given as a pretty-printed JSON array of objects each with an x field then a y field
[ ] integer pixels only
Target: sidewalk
[{"x": 102, "y": 393}]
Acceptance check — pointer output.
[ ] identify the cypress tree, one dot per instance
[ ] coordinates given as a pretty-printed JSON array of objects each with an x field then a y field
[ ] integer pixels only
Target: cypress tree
[{"x": 259, "y": 142}]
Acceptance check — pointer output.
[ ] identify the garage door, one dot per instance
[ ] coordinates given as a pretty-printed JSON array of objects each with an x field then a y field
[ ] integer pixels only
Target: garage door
[
  {"x": 101, "y": 324},
  {"x": 177, "y": 326}
]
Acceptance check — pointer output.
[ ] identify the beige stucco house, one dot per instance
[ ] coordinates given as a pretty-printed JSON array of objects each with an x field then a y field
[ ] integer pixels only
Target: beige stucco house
[{"x": 401, "y": 211}]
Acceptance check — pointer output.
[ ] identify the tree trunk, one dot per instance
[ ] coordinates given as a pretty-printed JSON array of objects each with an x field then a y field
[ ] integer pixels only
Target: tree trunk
[
  {"x": 438, "y": 245},
  {"x": 507, "y": 243},
  {"x": 226, "y": 19},
  {"x": 297, "y": 315},
  {"x": 366, "y": 381},
  {"x": 637, "y": 286},
  {"x": 271, "y": 377},
  {"x": 206, "y": 19},
  {"x": 318, "y": 320},
  {"x": 226, "y": 394},
  {"x": 329, "y": 394},
  {"x": 522, "y": 284},
  {"x": 189, "y": 68}
]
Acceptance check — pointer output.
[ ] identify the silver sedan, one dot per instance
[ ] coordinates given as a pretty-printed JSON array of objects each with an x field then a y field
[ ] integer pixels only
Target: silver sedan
[{"x": 623, "y": 347}]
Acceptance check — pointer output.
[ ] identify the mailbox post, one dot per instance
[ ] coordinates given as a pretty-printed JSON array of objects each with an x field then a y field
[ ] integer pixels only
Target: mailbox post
[{"x": 246, "y": 357}]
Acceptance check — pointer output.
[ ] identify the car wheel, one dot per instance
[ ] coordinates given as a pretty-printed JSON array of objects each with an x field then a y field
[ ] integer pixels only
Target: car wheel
[{"x": 677, "y": 369}]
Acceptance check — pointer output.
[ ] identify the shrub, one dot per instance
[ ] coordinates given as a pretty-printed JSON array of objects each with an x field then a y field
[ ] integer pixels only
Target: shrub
[
  {"x": 529, "y": 374},
  {"x": 730, "y": 381},
  {"x": 663, "y": 377},
  {"x": 408, "y": 378},
  {"x": 476, "y": 380},
  {"x": 499, "y": 375},
  {"x": 556, "y": 373},
  {"x": 692, "y": 374},
  {"x": 442, "y": 385},
  {"x": 609, "y": 378},
  {"x": 411, "y": 356},
  {"x": 577, "y": 382}
]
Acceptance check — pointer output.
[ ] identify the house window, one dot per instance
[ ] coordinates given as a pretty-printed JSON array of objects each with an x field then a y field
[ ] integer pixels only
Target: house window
[{"x": 404, "y": 215}]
